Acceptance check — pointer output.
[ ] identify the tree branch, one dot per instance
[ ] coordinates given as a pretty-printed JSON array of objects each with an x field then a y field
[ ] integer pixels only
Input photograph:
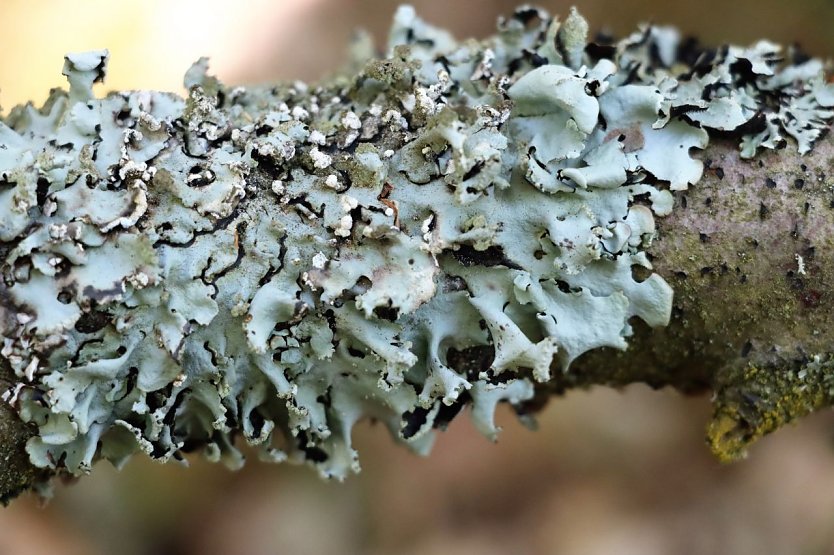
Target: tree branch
[
  {"x": 454, "y": 225},
  {"x": 749, "y": 258}
]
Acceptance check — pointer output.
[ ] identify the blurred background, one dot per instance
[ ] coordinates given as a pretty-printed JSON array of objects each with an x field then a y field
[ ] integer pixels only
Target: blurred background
[
  {"x": 607, "y": 472},
  {"x": 153, "y": 42}
]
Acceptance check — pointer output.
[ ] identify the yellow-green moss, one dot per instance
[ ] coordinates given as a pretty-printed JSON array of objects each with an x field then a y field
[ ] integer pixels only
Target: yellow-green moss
[{"x": 757, "y": 400}]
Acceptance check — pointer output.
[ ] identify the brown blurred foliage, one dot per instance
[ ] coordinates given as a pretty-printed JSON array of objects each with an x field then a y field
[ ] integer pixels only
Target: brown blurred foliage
[{"x": 607, "y": 472}]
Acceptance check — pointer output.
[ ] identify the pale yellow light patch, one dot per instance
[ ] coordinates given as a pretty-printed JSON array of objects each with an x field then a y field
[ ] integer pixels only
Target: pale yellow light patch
[{"x": 152, "y": 42}]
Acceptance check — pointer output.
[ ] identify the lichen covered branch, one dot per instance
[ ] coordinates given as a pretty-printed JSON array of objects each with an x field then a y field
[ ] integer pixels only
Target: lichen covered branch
[{"x": 457, "y": 224}]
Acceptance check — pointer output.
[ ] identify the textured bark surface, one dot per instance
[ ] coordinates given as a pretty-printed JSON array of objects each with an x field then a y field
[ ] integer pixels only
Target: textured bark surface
[
  {"x": 746, "y": 318},
  {"x": 16, "y": 472}
]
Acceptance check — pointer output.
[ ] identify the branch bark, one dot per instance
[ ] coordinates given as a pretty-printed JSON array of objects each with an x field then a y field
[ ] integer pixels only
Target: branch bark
[
  {"x": 748, "y": 251},
  {"x": 16, "y": 471}
]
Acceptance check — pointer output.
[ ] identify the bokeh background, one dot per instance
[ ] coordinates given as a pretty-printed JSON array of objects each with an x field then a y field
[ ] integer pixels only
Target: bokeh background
[{"x": 607, "y": 472}]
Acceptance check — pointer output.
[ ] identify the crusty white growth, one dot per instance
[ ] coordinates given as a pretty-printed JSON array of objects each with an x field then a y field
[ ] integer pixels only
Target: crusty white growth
[{"x": 282, "y": 263}]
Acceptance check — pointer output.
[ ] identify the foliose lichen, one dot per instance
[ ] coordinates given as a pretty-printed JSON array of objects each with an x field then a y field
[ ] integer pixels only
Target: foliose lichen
[{"x": 280, "y": 263}]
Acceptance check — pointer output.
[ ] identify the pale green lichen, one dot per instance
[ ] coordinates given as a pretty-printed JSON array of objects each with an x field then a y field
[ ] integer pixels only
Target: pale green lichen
[{"x": 279, "y": 264}]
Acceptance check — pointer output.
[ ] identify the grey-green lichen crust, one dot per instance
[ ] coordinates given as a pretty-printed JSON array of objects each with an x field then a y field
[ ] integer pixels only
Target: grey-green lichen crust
[{"x": 278, "y": 264}]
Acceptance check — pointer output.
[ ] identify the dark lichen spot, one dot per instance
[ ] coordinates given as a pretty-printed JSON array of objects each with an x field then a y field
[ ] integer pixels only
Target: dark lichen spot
[
  {"x": 764, "y": 211},
  {"x": 412, "y": 421},
  {"x": 91, "y": 322},
  {"x": 446, "y": 413},
  {"x": 389, "y": 313},
  {"x": 42, "y": 191},
  {"x": 356, "y": 353},
  {"x": 311, "y": 452},
  {"x": 491, "y": 256},
  {"x": 564, "y": 286},
  {"x": 746, "y": 348}
]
